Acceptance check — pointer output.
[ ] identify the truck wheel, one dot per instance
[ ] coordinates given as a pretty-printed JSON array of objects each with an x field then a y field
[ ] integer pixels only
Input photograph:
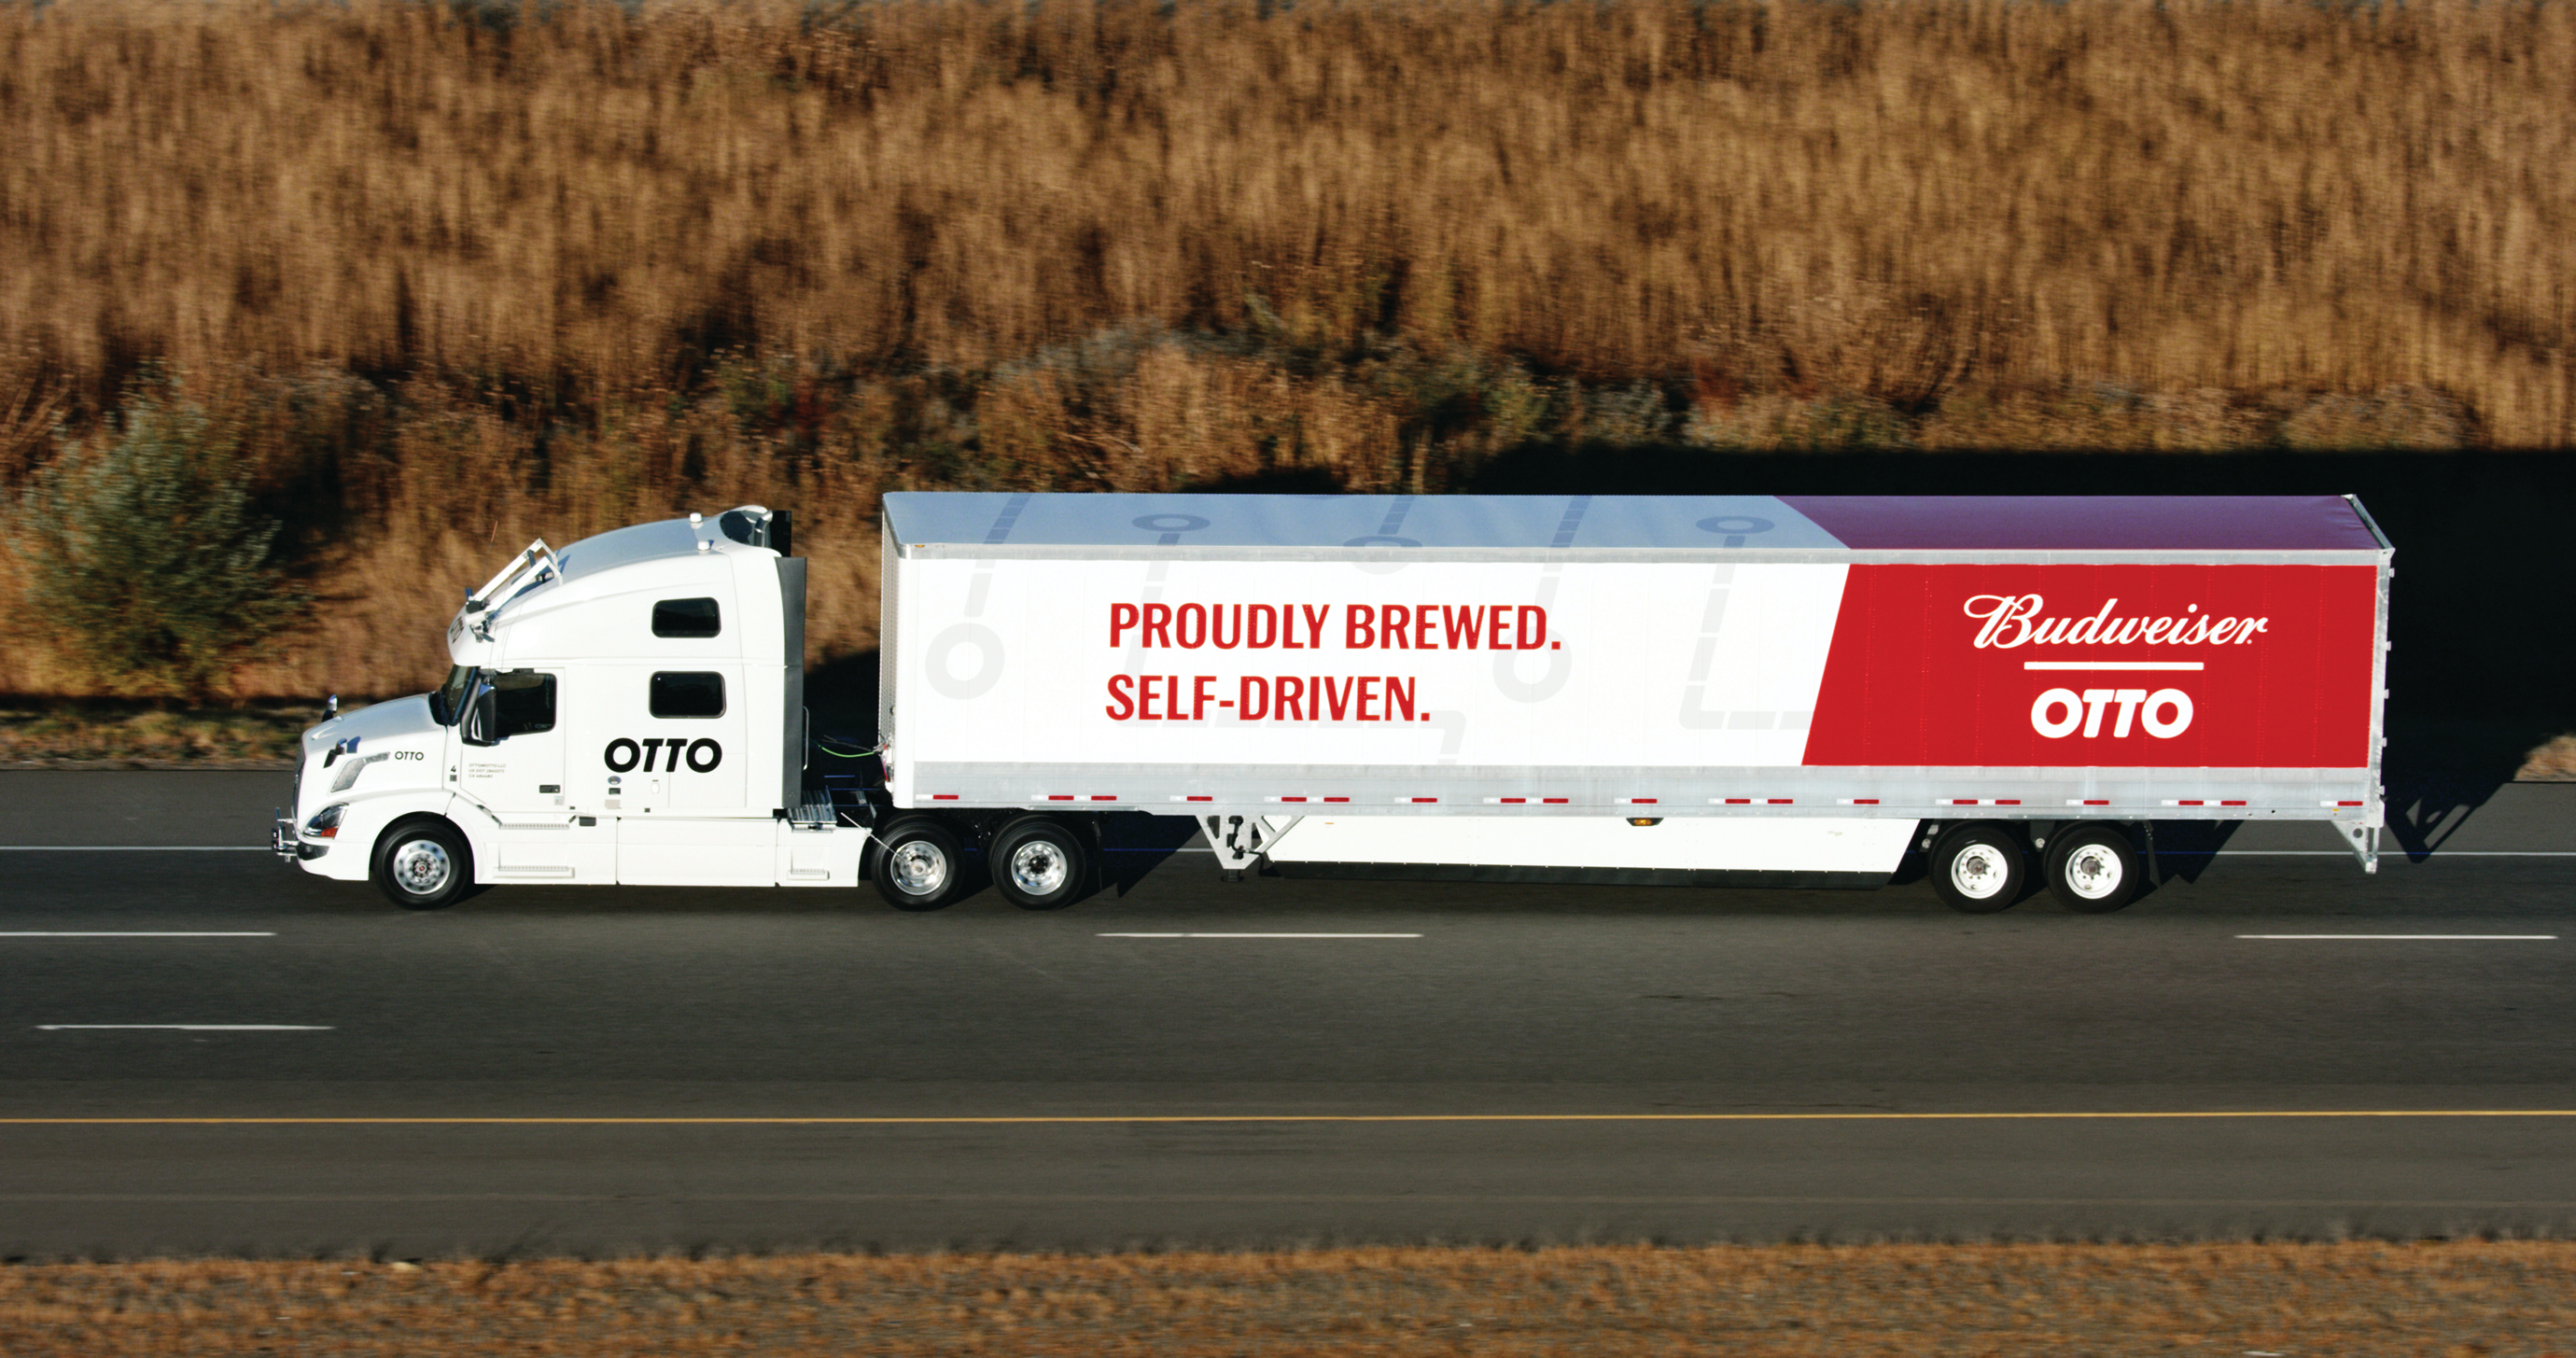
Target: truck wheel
[
  {"x": 1979, "y": 869},
  {"x": 423, "y": 864},
  {"x": 1040, "y": 863},
  {"x": 918, "y": 864},
  {"x": 2094, "y": 870}
]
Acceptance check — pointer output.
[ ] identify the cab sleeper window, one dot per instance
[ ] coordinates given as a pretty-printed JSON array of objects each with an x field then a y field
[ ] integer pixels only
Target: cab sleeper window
[
  {"x": 686, "y": 618},
  {"x": 687, "y": 695}
]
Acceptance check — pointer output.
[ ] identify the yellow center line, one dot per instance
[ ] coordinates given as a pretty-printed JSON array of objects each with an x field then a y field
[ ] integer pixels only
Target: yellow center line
[{"x": 1134, "y": 1118}]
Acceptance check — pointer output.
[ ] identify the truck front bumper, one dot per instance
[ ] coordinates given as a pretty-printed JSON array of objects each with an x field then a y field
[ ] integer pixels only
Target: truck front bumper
[{"x": 283, "y": 842}]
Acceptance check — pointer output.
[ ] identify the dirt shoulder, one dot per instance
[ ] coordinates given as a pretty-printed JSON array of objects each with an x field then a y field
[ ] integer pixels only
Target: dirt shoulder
[{"x": 2237, "y": 1299}]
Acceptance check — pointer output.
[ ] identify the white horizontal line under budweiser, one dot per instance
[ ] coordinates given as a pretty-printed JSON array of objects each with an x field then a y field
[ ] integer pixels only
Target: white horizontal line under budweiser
[{"x": 2111, "y": 665}]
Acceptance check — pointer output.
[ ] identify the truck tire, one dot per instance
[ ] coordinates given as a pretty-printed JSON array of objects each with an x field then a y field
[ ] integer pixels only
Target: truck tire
[
  {"x": 1040, "y": 863},
  {"x": 917, "y": 863},
  {"x": 2094, "y": 869},
  {"x": 1980, "y": 869},
  {"x": 423, "y": 863}
]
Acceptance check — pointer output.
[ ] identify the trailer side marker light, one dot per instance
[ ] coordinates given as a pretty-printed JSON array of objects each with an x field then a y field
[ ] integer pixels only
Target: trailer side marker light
[
  {"x": 1553, "y": 801},
  {"x": 2231, "y": 803}
]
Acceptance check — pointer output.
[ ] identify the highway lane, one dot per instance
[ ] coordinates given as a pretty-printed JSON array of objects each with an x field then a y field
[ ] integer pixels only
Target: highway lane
[{"x": 1615, "y": 1009}]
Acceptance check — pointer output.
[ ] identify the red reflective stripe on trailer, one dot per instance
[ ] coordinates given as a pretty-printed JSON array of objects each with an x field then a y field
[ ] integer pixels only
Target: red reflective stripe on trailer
[
  {"x": 1292, "y": 799},
  {"x": 2347, "y": 803},
  {"x": 943, "y": 796},
  {"x": 1418, "y": 799},
  {"x": 2231, "y": 803},
  {"x": 1337, "y": 799},
  {"x": 1102, "y": 797},
  {"x": 1784, "y": 801},
  {"x": 1641, "y": 801},
  {"x": 2097, "y": 801},
  {"x": 1553, "y": 801},
  {"x": 2191, "y": 802},
  {"x": 1511, "y": 801},
  {"x": 2007, "y": 801},
  {"x": 1059, "y": 796},
  {"x": 1739, "y": 801},
  {"x": 1864, "y": 801},
  {"x": 1202, "y": 799}
]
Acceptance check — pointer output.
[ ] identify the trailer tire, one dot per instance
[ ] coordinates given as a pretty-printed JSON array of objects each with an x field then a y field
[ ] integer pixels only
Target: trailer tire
[
  {"x": 1040, "y": 863},
  {"x": 2094, "y": 870},
  {"x": 423, "y": 863},
  {"x": 917, "y": 863},
  {"x": 1980, "y": 869}
]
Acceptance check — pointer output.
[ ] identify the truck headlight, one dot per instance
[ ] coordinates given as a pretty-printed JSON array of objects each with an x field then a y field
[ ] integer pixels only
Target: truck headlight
[{"x": 326, "y": 822}]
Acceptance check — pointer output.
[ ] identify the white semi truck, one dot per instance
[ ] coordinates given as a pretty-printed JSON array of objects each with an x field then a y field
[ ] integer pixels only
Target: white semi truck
[{"x": 1734, "y": 690}]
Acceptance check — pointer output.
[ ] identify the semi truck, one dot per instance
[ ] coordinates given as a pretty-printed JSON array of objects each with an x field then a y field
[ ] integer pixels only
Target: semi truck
[{"x": 1714, "y": 690}]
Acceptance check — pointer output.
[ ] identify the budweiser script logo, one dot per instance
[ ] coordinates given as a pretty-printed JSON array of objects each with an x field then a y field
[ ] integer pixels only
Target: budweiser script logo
[{"x": 2013, "y": 620}]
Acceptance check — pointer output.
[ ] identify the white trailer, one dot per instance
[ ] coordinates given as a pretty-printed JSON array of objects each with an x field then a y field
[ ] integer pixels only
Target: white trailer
[{"x": 1717, "y": 690}]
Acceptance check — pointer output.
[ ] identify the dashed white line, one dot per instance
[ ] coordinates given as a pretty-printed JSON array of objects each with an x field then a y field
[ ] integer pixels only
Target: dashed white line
[
  {"x": 131, "y": 933},
  {"x": 1259, "y": 935},
  {"x": 186, "y": 1027},
  {"x": 2412, "y": 938}
]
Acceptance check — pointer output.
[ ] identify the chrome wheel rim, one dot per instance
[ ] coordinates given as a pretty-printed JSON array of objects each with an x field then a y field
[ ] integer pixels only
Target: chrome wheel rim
[
  {"x": 1038, "y": 868},
  {"x": 2095, "y": 871},
  {"x": 1980, "y": 872},
  {"x": 421, "y": 867},
  {"x": 918, "y": 867}
]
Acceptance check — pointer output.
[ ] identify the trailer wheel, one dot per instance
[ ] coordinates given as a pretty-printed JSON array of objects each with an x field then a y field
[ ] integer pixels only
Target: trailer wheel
[
  {"x": 1979, "y": 869},
  {"x": 2094, "y": 870},
  {"x": 1040, "y": 863},
  {"x": 917, "y": 864},
  {"x": 423, "y": 863}
]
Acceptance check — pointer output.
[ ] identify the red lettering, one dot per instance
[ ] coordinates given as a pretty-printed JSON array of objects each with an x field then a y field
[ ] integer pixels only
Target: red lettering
[
  {"x": 1145, "y": 686},
  {"x": 1288, "y": 629},
  {"x": 1422, "y": 627},
  {"x": 1252, "y": 698},
  {"x": 1216, "y": 627},
  {"x": 1368, "y": 697},
  {"x": 1189, "y": 626},
  {"x": 1463, "y": 626},
  {"x": 1158, "y": 623},
  {"x": 1399, "y": 698},
  {"x": 1121, "y": 617},
  {"x": 1521, "y": 633},
  {"x": 1315, "y": 615},
  {"x": 1395, "y": 628},
  {"x": 1359, "y": 627},
  {"x": 1172, "y": 698},
  {"x": 1292, "y": 698},
  {"x": 1338, "y": 696},
  {"x": 1199, "y": 695},
  {"x": 1494, "y": 625},
  {"x": 1263, "y": 628},
  {"x": 1123, "y": 708}
]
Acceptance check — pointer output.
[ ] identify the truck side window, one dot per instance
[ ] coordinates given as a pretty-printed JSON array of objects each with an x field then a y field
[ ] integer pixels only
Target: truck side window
[
  {"x": 686, "y": 618},
  {"x": 523, "y": 703},
  {"x": 687, "y": 695}
]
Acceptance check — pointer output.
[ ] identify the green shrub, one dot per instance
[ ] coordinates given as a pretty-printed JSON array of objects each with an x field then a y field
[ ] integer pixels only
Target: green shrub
[{"x": 144, "y": 556}]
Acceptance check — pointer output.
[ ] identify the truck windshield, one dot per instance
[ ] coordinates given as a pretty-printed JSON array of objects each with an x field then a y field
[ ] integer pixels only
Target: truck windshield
[{"x": 449, "y": 700}]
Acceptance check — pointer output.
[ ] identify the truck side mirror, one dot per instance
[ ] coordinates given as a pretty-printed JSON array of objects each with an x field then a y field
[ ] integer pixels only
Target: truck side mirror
[{"x": 482, "y": 718}]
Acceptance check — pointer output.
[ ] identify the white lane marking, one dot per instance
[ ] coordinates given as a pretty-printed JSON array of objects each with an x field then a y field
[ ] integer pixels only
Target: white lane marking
[
  {"x": 187, "y": 1027},
  {"x": 1259, "y": 935},
  {"x": 135, "y": 848},
  {"x": 2457, "y": 938},
  {"x": 2110, "y": 664},
  {"x": 129, "y": 933}
]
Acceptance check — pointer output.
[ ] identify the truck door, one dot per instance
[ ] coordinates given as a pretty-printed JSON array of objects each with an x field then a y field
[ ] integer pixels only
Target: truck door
[{"x": 521, "y": 772}]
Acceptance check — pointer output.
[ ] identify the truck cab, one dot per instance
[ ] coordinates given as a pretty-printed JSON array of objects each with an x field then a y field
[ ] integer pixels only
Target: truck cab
[{"x": 627, "y": 709}]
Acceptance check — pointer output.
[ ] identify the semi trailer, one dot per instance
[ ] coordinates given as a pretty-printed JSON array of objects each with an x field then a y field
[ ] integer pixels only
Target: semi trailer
[{"x": 1712, "y": 690}]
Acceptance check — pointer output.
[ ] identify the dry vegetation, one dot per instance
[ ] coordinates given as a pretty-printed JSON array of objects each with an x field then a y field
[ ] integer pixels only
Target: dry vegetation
[
  {"x": 459, "y": 279},
  {"x": 2429, "y": 1299}
]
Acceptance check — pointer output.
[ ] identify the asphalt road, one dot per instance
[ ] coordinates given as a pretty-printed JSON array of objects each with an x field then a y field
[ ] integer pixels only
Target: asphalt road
[{"x": 1516, "y": 1064}]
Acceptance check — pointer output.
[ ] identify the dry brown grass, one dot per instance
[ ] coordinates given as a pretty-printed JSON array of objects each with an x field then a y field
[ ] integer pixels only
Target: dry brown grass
[
  {"x": 2427, "y": 1299},
  {"x": 478, "y": 281}
]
